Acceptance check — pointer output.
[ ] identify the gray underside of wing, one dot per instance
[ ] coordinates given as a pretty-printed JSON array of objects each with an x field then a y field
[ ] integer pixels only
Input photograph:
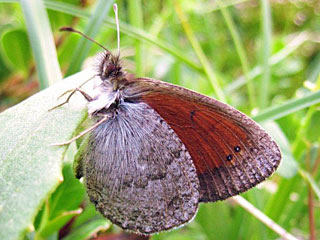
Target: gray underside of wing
[{"x": 138, "y": 173}]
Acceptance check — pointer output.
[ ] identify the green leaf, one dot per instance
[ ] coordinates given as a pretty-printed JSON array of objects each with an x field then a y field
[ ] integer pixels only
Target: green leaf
[
  {"x": 87, "y": 215},
  {"x": 29, "y": 167},
  {"x": 17, "y": 49},
  {"x": 55, "y": 224},
  {"x": 68, "y": 195},
  {"x": 84, "y": 232}
]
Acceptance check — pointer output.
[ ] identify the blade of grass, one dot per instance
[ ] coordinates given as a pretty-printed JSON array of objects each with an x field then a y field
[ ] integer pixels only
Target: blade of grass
[
  {"x": 136, "y": 20},
  {"x": 311, "y": 205},
  {"x": 278, "y": 202},
  {"x": 160, "y": 21},
  {"x": 9, "y": 1},
  {"x": 166, "y": 47},
  {"x": 297, "y": 209},
  {"x": 312, "y": 183},
  {"x": 254, "y": 198},
  {"x": 126, "y": 29},
  {"x": 311, "y": 208},
  {"x": 42, "y": 42},
  {"x": 213, "y": 227},
  {"x": 295, "y": 205},
  {"x": 297, "y": 150},
  {"x": 263, "y": 218},
  {"x": 297, "y": 145},
  {"x": 213, "y": 6},
  {"x": 273, "y": 60},
  {"x": 288, "y": 107},
  {"x": 158, "y": 24},
  {"x": 198, "y": 50},
  {"x": 240, "y": 50},
  {"x": 93, "y": 26},
  {"x": 266, "y": 51}
]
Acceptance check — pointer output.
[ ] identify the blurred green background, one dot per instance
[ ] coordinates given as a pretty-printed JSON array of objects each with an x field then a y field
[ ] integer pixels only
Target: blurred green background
[{"x": 262, "y": 57}]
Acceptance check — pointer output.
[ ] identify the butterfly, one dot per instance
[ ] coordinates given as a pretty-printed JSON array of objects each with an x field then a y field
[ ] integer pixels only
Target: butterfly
[{"x": 157, "y": 150}]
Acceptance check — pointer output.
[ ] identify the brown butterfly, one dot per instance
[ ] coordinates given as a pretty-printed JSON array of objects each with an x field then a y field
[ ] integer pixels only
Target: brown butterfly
[{"x": 157, "y": 150}]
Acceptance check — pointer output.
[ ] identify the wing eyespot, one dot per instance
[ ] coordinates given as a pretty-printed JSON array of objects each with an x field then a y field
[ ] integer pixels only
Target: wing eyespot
[
  {"x": 237, "y": 149},
  {"x": 229, "y": 157}
]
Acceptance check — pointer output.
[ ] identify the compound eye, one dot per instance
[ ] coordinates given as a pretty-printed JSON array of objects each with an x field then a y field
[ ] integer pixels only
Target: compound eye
[
  {"x": 111, "y": 68},
  {"x": 104, "y": 69},
  {"x": 104, "y": 66}
]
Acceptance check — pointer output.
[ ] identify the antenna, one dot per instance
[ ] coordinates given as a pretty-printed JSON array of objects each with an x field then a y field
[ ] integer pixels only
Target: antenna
[
  {"x": 115, "y": 9},
  {"x": 70, "y": 29}
]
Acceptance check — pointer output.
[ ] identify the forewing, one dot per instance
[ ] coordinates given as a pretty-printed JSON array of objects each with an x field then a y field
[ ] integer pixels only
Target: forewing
[
  {"x": 138, "y": 173},
  {"x": 231, "y": 152}
]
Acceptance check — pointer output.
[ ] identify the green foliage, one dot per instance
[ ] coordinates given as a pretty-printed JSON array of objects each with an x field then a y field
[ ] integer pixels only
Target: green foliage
[
  {"x": 42, "y": 42},
  {"x": 94, "y": 24},
  {"x": 30, "y": 168},
  {"x": 89, "y": 229},
  {"x": 19, "y": 59},
  {"x": 259, "y": 56}
]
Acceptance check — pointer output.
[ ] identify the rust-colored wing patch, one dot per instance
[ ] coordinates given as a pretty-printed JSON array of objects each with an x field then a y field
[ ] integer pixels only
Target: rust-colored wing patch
[{"x": 230, "y": 151}]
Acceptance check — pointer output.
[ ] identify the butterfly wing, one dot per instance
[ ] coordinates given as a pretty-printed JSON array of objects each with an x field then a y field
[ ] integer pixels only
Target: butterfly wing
[
  {"x": 138, "y": 173},
  {"x": 230, "y": 151}
]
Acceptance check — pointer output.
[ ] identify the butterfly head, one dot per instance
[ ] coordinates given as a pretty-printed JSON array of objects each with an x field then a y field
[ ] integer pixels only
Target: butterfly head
[
  {"x": 108, "y": 93},
  {"x": 110, "y": 68}
]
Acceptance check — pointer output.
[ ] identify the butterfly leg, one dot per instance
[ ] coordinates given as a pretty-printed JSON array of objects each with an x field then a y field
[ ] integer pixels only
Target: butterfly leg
[
  {"x": 73, "y": 91},
  {"x": 84, "y": 94},
  {"x": 105, "y": 118}
]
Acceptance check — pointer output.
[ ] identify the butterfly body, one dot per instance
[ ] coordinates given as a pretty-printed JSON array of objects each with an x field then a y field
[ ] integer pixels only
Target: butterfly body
[
  {"x": 164, "y": 149},
  {"x": 129, "y": 166}
]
